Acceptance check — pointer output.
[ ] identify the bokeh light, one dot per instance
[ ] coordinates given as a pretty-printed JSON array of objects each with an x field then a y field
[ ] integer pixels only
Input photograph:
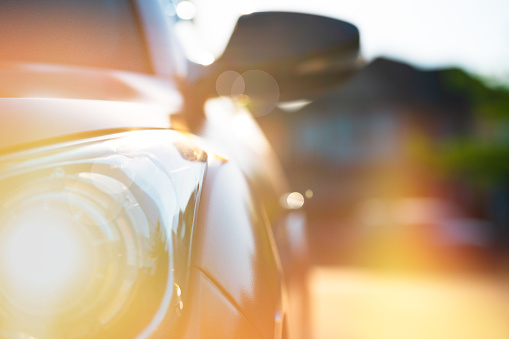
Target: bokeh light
[{"x": 186, "y": 10}]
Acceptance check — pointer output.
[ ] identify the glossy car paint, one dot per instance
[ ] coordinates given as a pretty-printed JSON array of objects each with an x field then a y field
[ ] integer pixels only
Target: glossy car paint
[
  {"x": 31, "y": 121},
  {"x": 235, "y": 286},
  {"x": 245, "y": 250}
]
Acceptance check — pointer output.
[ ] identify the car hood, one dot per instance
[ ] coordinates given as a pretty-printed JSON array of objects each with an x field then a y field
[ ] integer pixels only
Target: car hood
[
  {"x": 43, "y": 102},
  {"x": 26, "y": 121},
  {"x": 29, "y": 80}
]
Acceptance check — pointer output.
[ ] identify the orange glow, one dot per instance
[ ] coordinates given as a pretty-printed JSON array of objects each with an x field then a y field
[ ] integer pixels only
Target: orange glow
[{"x": 355, "y": 303}]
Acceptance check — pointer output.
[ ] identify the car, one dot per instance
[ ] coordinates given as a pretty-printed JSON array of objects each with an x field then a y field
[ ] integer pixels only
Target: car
[{"x": 136, "y": 202}]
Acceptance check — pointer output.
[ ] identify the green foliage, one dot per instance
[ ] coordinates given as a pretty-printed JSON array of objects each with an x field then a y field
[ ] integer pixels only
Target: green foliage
[
  {"x": 484, "y": 155},
  {"x": 489, "y": 101},
  {"x": 483, "y": 162}
]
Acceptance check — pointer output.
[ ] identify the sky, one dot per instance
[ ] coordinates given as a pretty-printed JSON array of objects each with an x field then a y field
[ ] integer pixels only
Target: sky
[{"x": 472, "y": 34}]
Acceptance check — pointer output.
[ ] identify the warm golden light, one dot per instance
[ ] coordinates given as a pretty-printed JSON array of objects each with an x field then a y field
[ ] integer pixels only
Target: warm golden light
[
  {"x": 309, "y": 193},
  {"x": 293, "y": 200},
  {"x": 41, "y": 250},
  {"x": 42, "y": 259},
  {"x": 357, "y": 303}
]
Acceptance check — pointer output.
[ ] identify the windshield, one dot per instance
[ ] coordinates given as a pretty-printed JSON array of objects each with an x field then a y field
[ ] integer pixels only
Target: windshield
[{"x": 92, "y": 33}]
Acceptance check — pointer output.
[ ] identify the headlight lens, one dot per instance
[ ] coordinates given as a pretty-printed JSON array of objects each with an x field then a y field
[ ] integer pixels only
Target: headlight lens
[{"x": 94, "y": 235}]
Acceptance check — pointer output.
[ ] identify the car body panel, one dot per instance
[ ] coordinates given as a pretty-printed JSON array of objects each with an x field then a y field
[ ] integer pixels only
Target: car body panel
[
  {"x": 233, "y": 246},
  {"x": 233, "y": 131},
  {"x": 214, "y": 316}
]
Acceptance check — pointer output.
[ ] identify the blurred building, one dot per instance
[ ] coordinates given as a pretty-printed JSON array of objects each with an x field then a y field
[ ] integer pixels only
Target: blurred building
[{"x": 373, "y": 142}]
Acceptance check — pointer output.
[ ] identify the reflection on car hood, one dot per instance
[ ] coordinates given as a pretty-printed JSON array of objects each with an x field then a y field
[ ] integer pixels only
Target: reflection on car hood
[
  {"x": 41, "y": 101},
  {"x": 28, "y": 80},
  {"x": 30, "y": 120}
]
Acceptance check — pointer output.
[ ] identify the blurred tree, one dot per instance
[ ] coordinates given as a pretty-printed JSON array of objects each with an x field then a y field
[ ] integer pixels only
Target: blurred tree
[{"x": 482, "y": 156}]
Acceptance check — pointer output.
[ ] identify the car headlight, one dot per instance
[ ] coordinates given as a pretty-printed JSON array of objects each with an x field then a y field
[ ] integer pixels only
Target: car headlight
[{"x": 95, "y": 235}]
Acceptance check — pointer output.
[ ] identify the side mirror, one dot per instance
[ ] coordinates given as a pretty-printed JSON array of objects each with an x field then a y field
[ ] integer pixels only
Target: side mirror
[{"x": 306, "y": 54}]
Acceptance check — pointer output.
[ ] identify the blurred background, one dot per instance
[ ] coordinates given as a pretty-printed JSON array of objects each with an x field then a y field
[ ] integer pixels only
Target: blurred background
[{"x": 404, "y": 170}]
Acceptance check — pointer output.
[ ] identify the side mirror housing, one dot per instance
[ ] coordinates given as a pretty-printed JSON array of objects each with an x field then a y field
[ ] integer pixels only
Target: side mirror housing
[{"x": 306, "y": 54}]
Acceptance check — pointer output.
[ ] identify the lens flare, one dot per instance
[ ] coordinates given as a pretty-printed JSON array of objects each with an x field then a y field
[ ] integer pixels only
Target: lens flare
[{"x": 40, "y": 252}]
